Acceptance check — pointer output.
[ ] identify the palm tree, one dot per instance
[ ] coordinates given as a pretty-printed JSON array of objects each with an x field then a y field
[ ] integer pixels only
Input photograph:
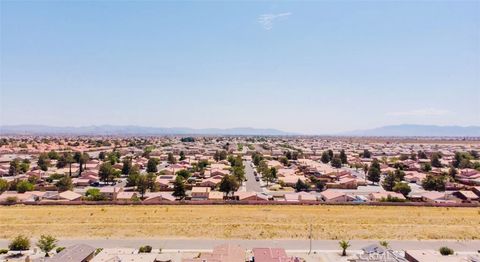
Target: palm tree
[
  {"x": 365, "y": 170},
  {"x": 69, "y": 159},
  {"x": 344, "y": 245}
]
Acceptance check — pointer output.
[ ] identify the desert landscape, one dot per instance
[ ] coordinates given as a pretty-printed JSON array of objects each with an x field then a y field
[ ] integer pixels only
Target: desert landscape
[{"x": 245, "y": 222}]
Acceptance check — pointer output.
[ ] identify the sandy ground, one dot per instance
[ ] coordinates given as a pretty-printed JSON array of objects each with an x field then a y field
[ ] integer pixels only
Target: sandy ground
[{"x": 241, "y": 222}]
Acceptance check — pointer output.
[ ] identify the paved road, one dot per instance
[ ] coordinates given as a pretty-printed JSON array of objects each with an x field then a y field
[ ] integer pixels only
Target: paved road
[
  {"x": 291, "y": 245},
  {"x": 251, "y": 184}
]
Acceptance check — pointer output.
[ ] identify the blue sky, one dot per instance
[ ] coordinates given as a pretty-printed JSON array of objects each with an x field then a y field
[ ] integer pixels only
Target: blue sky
[{"x": 311, "y": 67}]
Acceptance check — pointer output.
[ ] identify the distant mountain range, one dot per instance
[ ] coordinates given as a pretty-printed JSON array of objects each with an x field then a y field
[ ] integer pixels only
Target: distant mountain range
[
  {"x": 135, "y": 130},
  {"x": 418, "y": 130},
  {"x": 394, "y": 130}
]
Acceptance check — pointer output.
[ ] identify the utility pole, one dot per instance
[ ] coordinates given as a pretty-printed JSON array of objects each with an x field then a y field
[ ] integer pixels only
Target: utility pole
[{"x": 310, "y": 237}]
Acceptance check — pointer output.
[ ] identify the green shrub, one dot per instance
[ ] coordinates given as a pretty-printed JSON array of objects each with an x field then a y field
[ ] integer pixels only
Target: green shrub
[
  {"x": 3, "y": 251},
  {"x": 19, "y": 243},
  {"x": 445, "y": 251},
  {"x": 145, "y": 249},
  {"x": 11, "y": 200},
  {"x": 59, "y": 249}
]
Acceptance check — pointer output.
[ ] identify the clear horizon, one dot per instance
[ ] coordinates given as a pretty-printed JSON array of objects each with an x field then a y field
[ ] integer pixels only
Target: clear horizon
[{"x": 311, "y": 67}]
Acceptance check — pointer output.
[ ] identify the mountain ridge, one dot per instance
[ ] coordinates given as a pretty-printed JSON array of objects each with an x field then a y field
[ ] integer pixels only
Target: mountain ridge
[
  {"x": 389, "y": 130},
  {"x": 418, "y": 130},
  {"x": 136, "y": 130}
]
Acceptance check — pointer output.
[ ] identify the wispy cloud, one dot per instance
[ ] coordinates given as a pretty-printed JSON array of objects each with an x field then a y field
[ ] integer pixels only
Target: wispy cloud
[
  {"x": 421, "y": 112},
  {"x": 267, "y": 20}
]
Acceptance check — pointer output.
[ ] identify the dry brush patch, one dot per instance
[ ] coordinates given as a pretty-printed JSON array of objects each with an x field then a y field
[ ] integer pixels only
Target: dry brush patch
[{"x": 246, "y": 222}]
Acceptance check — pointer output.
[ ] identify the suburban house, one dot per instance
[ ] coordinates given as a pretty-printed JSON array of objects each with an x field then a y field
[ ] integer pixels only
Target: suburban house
[
  {"x": 215, "y": 195},
  {"x": 76, "y": 253},
  {"x": 69, "y": 196},
  {"x": 434, "y": 197},
  {"x": 200, "y": 193},
  {"x": 333, "y": 196},
  {"x": 466, "y": 196},
  {"x": 254, "y": 196},
  {"x": 126, "y": 195},
  {"x": 222, "y": 253},
  {"x": 272, "y": 255},
  {"x": 153, "y": 197},
  {"x": 211, "y": 182},
  {"x": 300, "y": 196},
  {"x": 379, "y": 196}
]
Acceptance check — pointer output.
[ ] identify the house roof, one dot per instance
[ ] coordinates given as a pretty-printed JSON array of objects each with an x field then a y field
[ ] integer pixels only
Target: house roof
[
  {"x": 198, "y": 189},
  {"x": 468, "y": 194},
  {"x": 380, "y": 195},
  {"x": 271, "y": 255},
  {"x": 433, "y": 195},
  {"x": 331, "y": 194},
  {"x": 126, "y": 195},
  {"x": 73, "y": 253},
  {"x": 69, "y": 195},
  {"x": 215, "y": 195}
]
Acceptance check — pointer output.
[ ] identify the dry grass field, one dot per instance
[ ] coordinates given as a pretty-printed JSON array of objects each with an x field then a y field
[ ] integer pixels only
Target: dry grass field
[{"x": 246, "y": 222}]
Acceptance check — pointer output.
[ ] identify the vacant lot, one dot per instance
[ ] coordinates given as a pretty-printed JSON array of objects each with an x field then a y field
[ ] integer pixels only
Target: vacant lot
[{"x": 247, "y": 222}]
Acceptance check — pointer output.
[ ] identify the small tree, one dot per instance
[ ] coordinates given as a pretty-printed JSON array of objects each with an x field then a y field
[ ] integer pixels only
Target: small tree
[
  {"x": 64, "y": 184},
  {"x": 47, "y": 243},
  {"x": 374, "y": 175},
  {"x": 436, "y": 183},
  {"x": 402, "y": 188},
  {"x": 435, "y": 160},
  {"x": 14, "y": 167},
  {"x": 301, "y": 186},
  {"x": 325, "y": 157},
  {"x": 284, "y": 160},
  {"x": 106, "y": 172},
  {"x": 336, "y": 162},
  {"x": 182, "y": 156},
  {"x": 171, "y": 158},
  {"x": 427, "y": 167},
  {"x": 270, "y": 175},
  {"x": 152, "y": 165},
  {"x": 19, "y": 243},
  {"x": 389, "y": 181},
  {"x": 94, "y": 194},
  {"x": 344, "y": 245},
  {"x": 3, "y": 185},
  {"x": 366, "y": 154},
  {"x": 228, "y": 184},
  {"x": 343, "y": 157},
  {"x": 179, "y": 187},
  {"x": 43, "y": 162},
  {"x": 142, "y": 185},
  {"x": 24, "y": 186},
  {"x": 183, "y": 173},
  {"x": 101, "y": 155},
  {"x": 127, "y": 166}
]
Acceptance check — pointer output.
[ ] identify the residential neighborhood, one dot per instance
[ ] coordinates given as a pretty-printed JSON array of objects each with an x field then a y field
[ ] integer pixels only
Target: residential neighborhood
[{"x": 242, "y": 169}]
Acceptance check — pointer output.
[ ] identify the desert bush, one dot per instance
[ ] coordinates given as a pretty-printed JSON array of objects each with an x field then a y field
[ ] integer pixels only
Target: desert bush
[
  {"x": 19, "y": 243},
  {"x": 445, "y": 251},
  {"x": 145, "y": 249}
]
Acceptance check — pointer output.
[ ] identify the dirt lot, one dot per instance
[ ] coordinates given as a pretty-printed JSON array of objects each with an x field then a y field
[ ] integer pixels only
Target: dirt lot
[{"x": 243, "y": 222}]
